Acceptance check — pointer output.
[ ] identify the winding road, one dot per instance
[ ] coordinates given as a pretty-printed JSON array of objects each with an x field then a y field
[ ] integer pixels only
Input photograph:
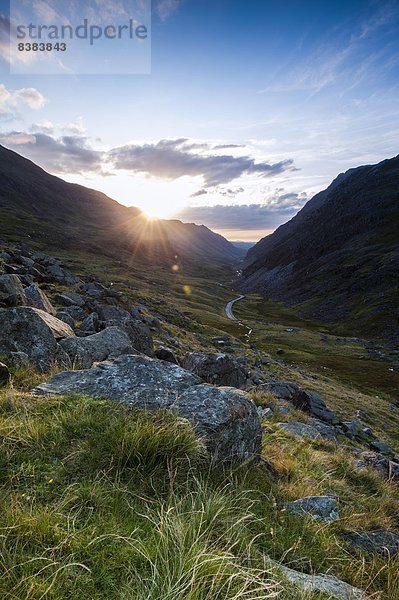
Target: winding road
[{"x": 229, "y": 308}]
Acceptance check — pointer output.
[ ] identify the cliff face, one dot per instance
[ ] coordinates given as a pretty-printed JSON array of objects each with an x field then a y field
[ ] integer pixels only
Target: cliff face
[{"x": 338, "y": 258}]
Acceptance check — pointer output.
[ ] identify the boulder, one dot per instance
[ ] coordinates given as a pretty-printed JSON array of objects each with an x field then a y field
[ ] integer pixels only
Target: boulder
[
  {"x": 36, "y": 298},
  {"x": 282, "y": 389},
  {"x": 302, "y": 431},
  {"x": 70, "y": 299},
  {"x": 61, "y": 275},
  {"x": 75, "y": 312},
  {"x": 34, "y": 332},
  {"x": 83, "y": 352},
  {"x": 383, "y": 542},
  {"x": 329, "y": 585},
  {"x": 11, "y": 291},
  {"x": 312, "y": 403},
  {"x": 167, "y": 355},
  {"x": 319, "y": 508},
  {"x": 66, "y": 318},
  {"x": 219, "y": 369},
  {"x": 139, "y": 334},
  {"x": 224, "y": 417},
  {"x": 4, "y": 374}
]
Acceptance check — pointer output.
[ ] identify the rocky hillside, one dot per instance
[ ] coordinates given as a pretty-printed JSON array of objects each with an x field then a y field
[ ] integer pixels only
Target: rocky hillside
[
  {"x": 43, "y": 209},
  {"x": 117, "y": 448},
  {"x": 338, "y": 258}
]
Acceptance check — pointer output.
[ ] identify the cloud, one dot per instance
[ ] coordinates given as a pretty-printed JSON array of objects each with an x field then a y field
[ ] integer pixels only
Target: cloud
[
  {"x": 67, "y": 154},
  {"x": 165, "y": 8},
  {"x": 172, "y": 159},
  {"x": 245, "y": 216},
  {"x": 12, "y": 100}
]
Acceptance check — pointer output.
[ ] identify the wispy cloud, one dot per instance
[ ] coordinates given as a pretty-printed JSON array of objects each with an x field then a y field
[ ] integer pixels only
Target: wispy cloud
[{"x": 165, "y": 8}]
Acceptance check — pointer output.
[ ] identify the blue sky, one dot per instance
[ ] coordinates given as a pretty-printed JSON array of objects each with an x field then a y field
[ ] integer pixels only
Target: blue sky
[{"x": 250, "y": 108}]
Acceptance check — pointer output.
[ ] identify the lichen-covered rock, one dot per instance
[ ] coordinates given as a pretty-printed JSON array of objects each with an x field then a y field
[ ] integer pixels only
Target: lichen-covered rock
[
  {"x": 139, "y": 334},
  {"x": 325, "y": 584},
  {"x": 319, "y": 508},
  {"x": 224, "y": 417},
  {"x": 219, "y": 369},
  {"x": 36, "y": 298},
  {"x": 302, "y": 431},
  {"x": 11, "y": 291},
  {"x": 84, "y": 351},
  {"x": 34, "y": 332},
  {"x": 383, "y": 542}
]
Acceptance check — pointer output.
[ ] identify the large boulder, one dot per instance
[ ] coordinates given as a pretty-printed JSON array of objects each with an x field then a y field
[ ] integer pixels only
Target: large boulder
[
  {"x": 84, "y": 351},
  {"x": 33, "y": 332},
  {"x": 11, "y": 291},
  {"x": 219, "y": 369},
  {"x": 224, "y": 417},
  {"x": 36, "y": 298}
]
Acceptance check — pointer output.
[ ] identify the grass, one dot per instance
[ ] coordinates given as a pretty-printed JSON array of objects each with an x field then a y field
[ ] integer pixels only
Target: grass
[{"x": 102, "y": 502}]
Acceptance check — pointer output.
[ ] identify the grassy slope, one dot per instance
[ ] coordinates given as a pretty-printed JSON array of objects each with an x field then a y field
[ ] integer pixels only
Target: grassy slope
[{"x": 100, "y": 502}]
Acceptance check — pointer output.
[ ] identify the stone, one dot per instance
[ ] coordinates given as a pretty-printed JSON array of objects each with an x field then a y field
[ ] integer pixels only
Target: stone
[
  {"x": 282, "y": 389},
  {"x": 11, "y": 291},
  {"x": 280, "y": 351},
  {"x": 166, "y": 354},
  {"x": 4, "y": 374},
  {"x": 324, "y": 584},
  {"x": 83, "y": 352},
  {"x": 389, "y": 469},
  {"x": 328, "y": 432},
  {"x": 301, "y": 431},
  {"x": 75, "y": 312},
  {"x": 381, "y": 447},
  {"x": 34, "y": 332},
  {"x": 383, "y": 542},
  {"x": 139, "y": 333},
  {"x": 70, "y": 299},
  {"x": 312, "y": 403},
  {"x": 361, "y": 415},
  {"x": 91, "y": 323},
  {"x": 66, "y": 318},
  {"x": 218, "y": 369},
  {"x": 36, "y": 298},
  {"x": 265, "y": 413},
  {"x": 224, "y": 417},
  {"x": 61, "y": 275},
  {"x": 319, "y": 508},
  {"x": 355, "y": 429}
]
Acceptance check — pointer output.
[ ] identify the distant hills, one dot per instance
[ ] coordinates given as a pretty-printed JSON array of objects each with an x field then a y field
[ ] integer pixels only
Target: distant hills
[
  {"x": 338, "y": 258},
  {"x": 46, "y": 211}
]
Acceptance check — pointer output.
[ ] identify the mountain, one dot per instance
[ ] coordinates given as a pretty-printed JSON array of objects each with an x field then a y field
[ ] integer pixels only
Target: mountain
[
  {"x": 338, "y": 258},
  {"x": 244, "y": 245},
  {"x": 45, "y": 210}
]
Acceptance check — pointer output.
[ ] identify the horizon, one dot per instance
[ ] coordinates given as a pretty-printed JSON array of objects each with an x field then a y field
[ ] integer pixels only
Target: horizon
[{"x": 246, "y": 113}]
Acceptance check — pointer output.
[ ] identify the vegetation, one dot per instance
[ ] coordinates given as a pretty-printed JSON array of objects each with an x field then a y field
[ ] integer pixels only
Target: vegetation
[{"x": 99, "y": 501}]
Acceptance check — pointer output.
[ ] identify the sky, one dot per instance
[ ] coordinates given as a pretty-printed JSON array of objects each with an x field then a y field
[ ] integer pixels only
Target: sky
[{"x": 246, "y": 110}]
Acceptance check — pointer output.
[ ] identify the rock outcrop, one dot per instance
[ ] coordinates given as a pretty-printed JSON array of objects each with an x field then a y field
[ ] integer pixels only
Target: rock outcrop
[{"x": 224, "y": 417}]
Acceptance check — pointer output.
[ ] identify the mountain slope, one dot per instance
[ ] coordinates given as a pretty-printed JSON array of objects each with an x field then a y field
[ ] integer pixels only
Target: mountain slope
[
  {"x": 338, "y": 258},
  {"x": 40, "y": 208}
]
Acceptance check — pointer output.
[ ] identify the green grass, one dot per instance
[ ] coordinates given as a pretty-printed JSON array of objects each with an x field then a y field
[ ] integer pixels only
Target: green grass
[{"x": 102, "y": 502}]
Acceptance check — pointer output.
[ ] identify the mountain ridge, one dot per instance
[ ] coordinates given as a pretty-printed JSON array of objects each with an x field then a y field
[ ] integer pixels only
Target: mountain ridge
[
  {"x": 38, "y": 206},
  {"x": 338, "y": 253}
]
